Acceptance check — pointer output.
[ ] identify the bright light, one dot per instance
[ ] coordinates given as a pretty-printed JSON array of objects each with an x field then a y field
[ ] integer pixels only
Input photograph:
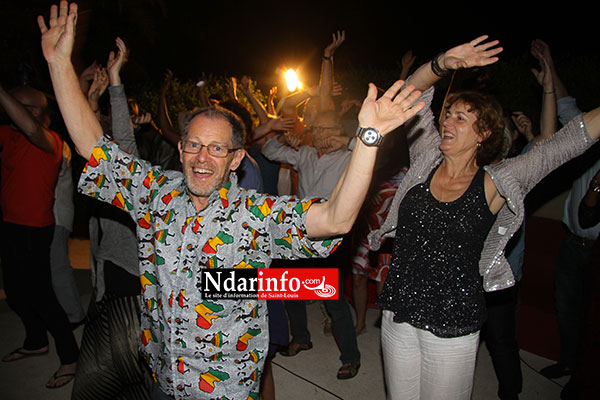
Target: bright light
[{"x": 291, "y": 80}]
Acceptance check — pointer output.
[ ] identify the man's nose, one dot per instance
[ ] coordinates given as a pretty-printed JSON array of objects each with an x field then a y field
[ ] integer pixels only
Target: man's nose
[{"x": 203, "y": 153}]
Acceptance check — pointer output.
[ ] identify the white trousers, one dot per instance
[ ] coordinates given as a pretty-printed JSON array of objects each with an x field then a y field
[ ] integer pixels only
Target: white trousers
[{"x": 420, "y": 365}]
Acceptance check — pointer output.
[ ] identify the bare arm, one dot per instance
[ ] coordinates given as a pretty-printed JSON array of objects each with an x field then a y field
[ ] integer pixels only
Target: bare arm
[
  {"x": 164, "y": 121},
  {"x": 273, "y": 124},
  {"x": 337, "y": 215},
  {"x": 291, "y": 102},
  {"x": 258, "y": 107},
  {"x": 548, "y": 122},
  {"x": 57, "y": 45},
  {"x": 326, "y": 81},
  {"x": 37, "y": 134},
  {"x": 201, "y": 85},
  {"x": 271, "y": 101}
]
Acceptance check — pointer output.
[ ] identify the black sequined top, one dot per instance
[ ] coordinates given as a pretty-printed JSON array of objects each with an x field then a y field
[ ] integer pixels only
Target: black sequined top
[{"x": 434, "y": 282}]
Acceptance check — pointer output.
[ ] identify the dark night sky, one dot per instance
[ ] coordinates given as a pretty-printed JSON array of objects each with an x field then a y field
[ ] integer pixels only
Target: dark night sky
[
  {"x": 236, "y": 38},
  {"x": 240, "y": 40}
]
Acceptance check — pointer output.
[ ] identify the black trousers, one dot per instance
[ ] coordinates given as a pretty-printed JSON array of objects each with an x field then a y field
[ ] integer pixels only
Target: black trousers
[
  {"x": 110, "y": 365},
  {"x": 500, "y": 335},
  {"x": 25, "y": 252}
]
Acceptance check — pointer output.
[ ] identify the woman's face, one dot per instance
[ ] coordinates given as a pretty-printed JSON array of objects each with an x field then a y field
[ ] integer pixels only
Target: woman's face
[{"x": 459, "y": 130}]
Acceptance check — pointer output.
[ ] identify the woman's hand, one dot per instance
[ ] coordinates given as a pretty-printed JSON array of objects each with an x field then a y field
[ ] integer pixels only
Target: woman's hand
[{"x": 476, "y": 53}]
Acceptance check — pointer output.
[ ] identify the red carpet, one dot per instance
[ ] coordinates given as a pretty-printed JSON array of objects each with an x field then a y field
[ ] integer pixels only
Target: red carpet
[{"x": 537, "y": 327}]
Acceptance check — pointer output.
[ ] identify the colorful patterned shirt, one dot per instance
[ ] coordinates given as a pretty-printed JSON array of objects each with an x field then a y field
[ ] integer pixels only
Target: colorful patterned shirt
[{"x": 199, "y": 348}]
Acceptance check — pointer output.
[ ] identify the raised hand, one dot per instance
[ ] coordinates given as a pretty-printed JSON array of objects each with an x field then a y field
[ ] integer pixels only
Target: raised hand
[
  {"x": 166, "y": 81},
  {"x": 245, "y": 84},
  {"x": 58, "y": 40},
  {"x": 272, "y": 92},
  {"x": 336, "y": 89},
  {"x": 391, "y": 110},
  {"x": 98, "y": 86},
  {"x": 271, "y": 100},
  {"x": 476, "y": 53},
  {"x": 338, "y": 39},
  {"x": 232, "y": 88},
  {"x": 116, "y": 61},
  {"x": 523, "y": 124},
  {"x": 292, "y": 139},
  {"x": 281, "y": 124},
  {"x": 334, "y": 143},
  {"x": 541, "y": 52},
  {"x": 539, "y": 49},
  {"x": 544, "y": 75}
]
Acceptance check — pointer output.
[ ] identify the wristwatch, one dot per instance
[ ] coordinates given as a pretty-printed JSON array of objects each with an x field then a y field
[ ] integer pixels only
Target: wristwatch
[{"x": 369, "y": 136}]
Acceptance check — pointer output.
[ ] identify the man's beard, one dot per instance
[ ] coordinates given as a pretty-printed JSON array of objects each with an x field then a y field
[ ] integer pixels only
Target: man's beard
[{"x": 199, "y": 190}]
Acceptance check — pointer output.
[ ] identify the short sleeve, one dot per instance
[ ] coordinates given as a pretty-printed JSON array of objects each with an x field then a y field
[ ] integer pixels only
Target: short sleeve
[
  {"x": 287, "y": 229},
  {"x": 118, "y": 178}
]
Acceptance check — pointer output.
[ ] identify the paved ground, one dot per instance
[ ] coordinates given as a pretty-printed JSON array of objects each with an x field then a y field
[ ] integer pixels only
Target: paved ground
[{"x": 310, "y": 375}]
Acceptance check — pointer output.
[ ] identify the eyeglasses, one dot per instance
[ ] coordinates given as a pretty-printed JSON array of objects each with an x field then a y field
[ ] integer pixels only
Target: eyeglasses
[
  {"x": 215, "y": 150},
  {"x": 321, "y": 129}
]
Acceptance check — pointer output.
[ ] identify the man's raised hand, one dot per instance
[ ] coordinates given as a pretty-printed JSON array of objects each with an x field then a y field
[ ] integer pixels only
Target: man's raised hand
[
  {"x": 391, "y": 110},
  {"x": 58, "y": 39}
]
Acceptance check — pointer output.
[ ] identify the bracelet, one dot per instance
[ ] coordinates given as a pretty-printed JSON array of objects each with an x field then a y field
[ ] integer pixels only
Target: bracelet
[
  {"x": 435, "y": 67},
  {"x": 552, "y": 92},
  {"x": 328, "y": 58}
]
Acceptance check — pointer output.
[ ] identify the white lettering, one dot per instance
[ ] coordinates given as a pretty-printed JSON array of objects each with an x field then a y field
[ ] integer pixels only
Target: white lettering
[
  {"x": 294, "y": 282},
  {"x": 208, "y": 276}
]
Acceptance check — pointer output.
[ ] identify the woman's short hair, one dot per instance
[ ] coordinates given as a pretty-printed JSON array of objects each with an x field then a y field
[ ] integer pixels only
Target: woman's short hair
[{"x": 489, "y": 118}]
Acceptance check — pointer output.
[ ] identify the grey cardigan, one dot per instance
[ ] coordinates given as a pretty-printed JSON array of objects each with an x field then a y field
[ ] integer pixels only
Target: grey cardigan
[{"x": 513, "y": 178}]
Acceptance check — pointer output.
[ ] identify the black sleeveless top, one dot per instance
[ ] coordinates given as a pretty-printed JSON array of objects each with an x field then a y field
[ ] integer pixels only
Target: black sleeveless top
[{"x": 434, "y": 282}]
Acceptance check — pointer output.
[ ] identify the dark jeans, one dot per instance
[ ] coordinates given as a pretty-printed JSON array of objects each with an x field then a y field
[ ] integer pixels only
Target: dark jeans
[
  {"x": 341, "y": 323},
  {"x": 28, "y": 285},
  {"x": 501, "y": 341},
  {"x": 569, "y": 289}
]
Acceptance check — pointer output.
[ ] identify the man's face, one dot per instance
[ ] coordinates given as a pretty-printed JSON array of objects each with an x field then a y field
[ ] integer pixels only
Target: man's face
[
  {"x": 324, "y": 127},
  {"x": 203, "y": 172}
]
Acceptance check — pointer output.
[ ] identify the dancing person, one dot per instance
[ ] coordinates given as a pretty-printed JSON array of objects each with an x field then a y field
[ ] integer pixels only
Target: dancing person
[
  {"x": 31, "y": 161},
  {"x": 451, "y": 217},
  {"x": 189, "y": 208}
]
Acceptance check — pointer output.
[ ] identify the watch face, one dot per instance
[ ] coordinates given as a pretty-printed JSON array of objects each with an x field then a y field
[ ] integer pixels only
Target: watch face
[{"x": 370, "y": 136}]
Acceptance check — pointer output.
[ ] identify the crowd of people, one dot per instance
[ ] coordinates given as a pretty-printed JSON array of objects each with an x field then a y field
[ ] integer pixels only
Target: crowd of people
[{"x": 430, "y": 208}]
